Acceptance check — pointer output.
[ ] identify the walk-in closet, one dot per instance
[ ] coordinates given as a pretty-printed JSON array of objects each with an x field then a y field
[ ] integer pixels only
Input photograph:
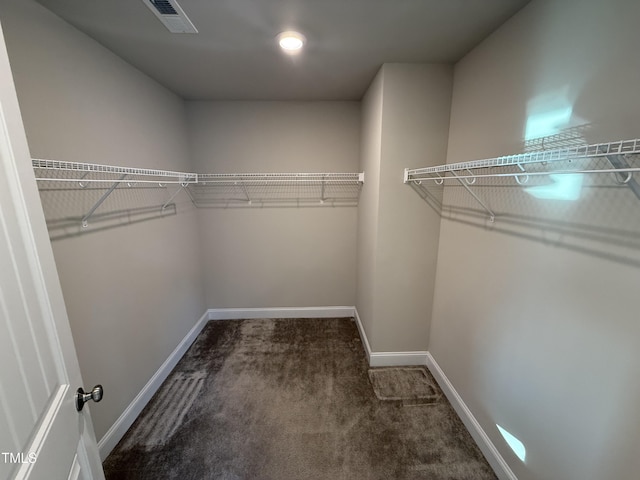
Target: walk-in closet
[{"x": 323, "y": 240}]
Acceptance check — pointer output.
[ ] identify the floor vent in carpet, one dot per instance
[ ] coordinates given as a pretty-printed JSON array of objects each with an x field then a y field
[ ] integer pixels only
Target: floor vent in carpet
[
  {"x": 409, "y": 385},
  {"x": 168, "y": 411}
]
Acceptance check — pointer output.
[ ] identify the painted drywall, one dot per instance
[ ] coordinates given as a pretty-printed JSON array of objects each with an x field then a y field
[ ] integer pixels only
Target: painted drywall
[
  {"x": 406, "y": 112},
  {"x": 367, "y": 235},
  {"x": 537, "y": 331},
  {"x": 415, "y": 124},
  {"x": 276, "y": 256},
  {"x": 131, "y": 292}
]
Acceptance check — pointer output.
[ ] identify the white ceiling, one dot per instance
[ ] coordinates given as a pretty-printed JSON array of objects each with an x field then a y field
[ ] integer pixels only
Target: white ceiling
[{"x": 235, "y": 55}]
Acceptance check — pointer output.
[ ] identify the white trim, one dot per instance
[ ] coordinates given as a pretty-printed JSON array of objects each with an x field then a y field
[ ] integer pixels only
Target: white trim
[
  {"x": 122, "y": 424},
  {"x": 387, "y": 359},
  {"x": 491, "y": 453},
  {"x": 363, "y": 334},
  {"x": 280, "y": 312},
  {"x": 396, "y": 359}
]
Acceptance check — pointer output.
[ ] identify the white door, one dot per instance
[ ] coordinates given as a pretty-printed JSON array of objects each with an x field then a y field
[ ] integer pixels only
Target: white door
[{"x": 42, "y": 436}]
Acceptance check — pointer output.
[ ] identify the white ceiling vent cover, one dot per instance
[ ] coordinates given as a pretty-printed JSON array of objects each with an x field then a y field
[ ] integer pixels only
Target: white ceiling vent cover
[{"x": 171, "y": 15}]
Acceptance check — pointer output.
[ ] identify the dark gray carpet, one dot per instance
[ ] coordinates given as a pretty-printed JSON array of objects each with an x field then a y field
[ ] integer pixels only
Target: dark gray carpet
[{"x": 289, "y": 399}]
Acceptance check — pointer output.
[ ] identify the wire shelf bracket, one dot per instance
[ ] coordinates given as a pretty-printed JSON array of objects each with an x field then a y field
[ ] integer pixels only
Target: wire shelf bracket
[
  {"x": 85, "y": 219},
  {"x": 621, "y": 165},
  {"x": 175, "y": 194},
  {"x": 464, "y": 183}
]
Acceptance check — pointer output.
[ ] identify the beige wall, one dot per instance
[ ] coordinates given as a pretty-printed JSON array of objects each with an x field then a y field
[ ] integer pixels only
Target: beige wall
[
  {"x": 406, "y": 112},
  {"x": 370, "y": 152},
  {"x": 415, "y": 124},
  {"x": 276, "y": 256},
  {"x": 132, "y": 292},
  {"x": 538, "y": 334}
]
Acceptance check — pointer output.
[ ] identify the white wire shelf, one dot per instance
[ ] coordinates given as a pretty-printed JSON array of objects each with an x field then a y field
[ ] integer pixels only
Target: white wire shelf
[
  {"x": 109, "y": 178},
  {"x": 96, "y": 173},
  {"x": 277, "y": 189},
  {"x": 619, "y": 159},
  {"x": 205, "y": 190},
  {"x": 624, "y": 147},
  {"x": 77, "y": 171}
]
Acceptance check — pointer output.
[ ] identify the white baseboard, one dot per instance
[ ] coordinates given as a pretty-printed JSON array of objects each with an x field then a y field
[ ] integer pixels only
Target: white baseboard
[
  {"x": 363, "y": 335},
  {"x": 280, "y": 312},
  {"x": 375, "y": 359},
  {"x": 499, "y": 465},
  {"x": 387, "y": 359},
  {"x": 397, "y": 359},
  {"x": 122, "y": 424}
]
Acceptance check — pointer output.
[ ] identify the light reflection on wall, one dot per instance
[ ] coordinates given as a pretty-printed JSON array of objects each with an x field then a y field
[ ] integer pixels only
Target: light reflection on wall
[
  {"x": 550, "y": 113},
  {"x": 547, "y": 123},
  {"x": 516, "y": 445},
  {"x": 566, "y": 186}
]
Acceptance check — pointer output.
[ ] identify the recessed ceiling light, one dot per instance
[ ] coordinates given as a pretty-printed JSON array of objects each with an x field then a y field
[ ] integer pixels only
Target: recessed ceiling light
[{"x": 291, "y": 42}]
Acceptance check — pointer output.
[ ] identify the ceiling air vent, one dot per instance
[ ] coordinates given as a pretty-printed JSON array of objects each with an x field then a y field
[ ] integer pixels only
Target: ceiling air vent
[{"x": 171, "y": 15}]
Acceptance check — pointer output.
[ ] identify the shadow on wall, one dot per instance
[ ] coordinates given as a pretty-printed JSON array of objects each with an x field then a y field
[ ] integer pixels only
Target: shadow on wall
[
  {"x": 75, "y": 210},
  {"x": 596, "y": 214},
  {"x": 69, "y": 227},
  {"x": 79, "y": 199}
]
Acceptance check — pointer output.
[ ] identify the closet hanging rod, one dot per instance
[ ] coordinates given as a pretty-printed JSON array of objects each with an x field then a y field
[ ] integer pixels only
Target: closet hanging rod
[
  {"x": 623, "y": 147},
  {"x": 274, "y": 178},
  {"x": 524, "y": 174}
]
